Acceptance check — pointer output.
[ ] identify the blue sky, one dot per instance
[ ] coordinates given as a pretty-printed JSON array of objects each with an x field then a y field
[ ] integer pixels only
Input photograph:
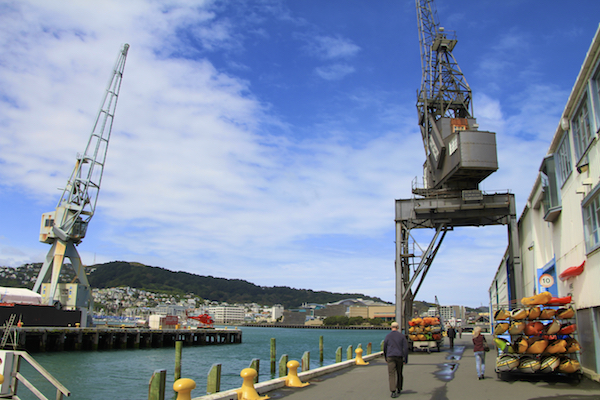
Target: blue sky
[{"x": 267, "y": 140}]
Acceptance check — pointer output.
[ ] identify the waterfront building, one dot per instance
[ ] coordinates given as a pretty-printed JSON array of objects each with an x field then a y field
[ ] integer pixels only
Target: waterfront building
[
  {"x": 170, "y": 309},
  {"x": 227, "y": 314},
  {"x": 559, "y": 228},
  {"x": 276, "y": 312},
  {"x": 385, "y": 312}
]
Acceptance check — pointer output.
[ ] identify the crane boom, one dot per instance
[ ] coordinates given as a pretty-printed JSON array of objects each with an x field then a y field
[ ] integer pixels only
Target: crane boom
[
  {"x": 444, "y": 105},
  {"x": 67, "y": 225},
  {"x": 77, "y": 203}
]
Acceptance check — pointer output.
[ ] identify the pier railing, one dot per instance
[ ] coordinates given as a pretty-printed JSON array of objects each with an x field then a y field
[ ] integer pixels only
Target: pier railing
[{"x": 12, "y": 382}]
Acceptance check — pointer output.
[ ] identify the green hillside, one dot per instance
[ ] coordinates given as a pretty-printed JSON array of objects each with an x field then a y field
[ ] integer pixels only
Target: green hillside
[{"x": 156, "y": 279}]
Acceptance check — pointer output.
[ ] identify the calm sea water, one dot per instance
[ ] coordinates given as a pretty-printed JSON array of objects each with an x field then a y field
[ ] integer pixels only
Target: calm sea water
[{"x": 124, "y": 374}]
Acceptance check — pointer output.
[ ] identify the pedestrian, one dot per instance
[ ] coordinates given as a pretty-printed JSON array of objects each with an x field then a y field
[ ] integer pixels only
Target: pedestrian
[
  {"x": 460, "y": 332},
  {"x": 395, "y": 351},
  {"x": 478, "y": 348},
  {"x": 451, "y": 335}
]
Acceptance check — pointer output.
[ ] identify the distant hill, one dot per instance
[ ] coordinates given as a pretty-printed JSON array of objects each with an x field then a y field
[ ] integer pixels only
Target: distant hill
[{"x": 156, "y": 279}]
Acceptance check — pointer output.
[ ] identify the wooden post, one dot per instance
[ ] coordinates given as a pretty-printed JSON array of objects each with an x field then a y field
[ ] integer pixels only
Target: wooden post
[
  {"x": 283, "y": 365},
  {"x": 156, "y": 388},
  {"x": 306, "y": 361},
  {"x": 178, "y": 351},
  {"x": 273, "y": 356},
  {"x": 369, "y": 348},
  {"x": 349, "y": 353},
  {"x": 95, "y": 340},
  {"x": 213, "y": 382},
  {"x": 338, "y": 355},
  {"x": 255, "y": 365},
  {"x": 321, "y": 349}
]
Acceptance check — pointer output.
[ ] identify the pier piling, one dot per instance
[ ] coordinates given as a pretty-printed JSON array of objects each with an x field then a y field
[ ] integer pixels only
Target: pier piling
[
  {"x": 273, "y": 356},
  {"x": 178, "y": 352},
  {"x": 321, "y": 349}
]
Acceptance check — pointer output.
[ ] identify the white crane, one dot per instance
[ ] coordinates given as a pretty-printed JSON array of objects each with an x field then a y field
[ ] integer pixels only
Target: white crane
[{"x": 67, "y": 225}]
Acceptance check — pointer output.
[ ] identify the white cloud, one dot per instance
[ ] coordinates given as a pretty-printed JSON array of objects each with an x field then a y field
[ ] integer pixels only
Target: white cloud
[
  {"x": 334, "y": 72},
  {"x": 328, "y": 47}
]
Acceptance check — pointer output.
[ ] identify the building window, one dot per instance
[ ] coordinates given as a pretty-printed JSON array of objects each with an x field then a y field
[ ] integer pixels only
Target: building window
[
  {"x": 591, "y": 220},
  {"x": 563, "y": 160},
  {"x": 552, "y": 200},
  {"x": 596, "y": 99},
  {"x": 582, "y": 133}
]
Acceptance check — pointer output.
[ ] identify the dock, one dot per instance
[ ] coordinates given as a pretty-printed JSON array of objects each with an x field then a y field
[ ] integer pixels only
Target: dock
[
  {"x": 447, "y": 375},
  {"x": 41, "y": 339}
]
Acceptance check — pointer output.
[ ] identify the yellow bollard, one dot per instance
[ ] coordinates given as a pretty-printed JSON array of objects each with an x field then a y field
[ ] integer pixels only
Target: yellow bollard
[
  {"x": 359, "y": 359},
  {"x": 184, "y": 387},
  {"x": 247, "y": 391},
  {"x": 292, "y": 379}
]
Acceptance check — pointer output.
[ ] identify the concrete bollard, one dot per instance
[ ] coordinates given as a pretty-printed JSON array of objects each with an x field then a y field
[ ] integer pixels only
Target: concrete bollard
[
  {"x": 184, "y": 387},
  {"x": 292, "y": 379},
  {"x": 359, "y": 359},
  {"x": 247, "y": 391}
]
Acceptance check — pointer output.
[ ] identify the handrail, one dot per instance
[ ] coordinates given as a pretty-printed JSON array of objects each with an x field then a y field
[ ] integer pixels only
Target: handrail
[{"x": 16, "y": 375}]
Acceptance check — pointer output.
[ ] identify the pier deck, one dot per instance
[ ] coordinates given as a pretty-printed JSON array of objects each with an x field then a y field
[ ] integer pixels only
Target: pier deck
[
  {"x": 40, "y": 339},
  {"x": 446, "y": 375}
]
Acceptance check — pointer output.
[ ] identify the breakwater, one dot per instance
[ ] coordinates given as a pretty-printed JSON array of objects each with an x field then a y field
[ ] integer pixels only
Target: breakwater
[{"x": 42, "y": 339}]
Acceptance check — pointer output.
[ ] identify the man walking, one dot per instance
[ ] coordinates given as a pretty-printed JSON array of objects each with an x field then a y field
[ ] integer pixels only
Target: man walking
[
  {"x": 451, "y": 335},
  {"x": 395, "y": 351}
]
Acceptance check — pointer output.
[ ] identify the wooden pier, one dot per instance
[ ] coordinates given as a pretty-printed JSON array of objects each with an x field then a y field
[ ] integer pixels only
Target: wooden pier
[{"x": 41, "y": 339}]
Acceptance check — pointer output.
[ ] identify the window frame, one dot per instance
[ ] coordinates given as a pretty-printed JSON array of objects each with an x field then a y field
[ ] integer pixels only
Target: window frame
[
  {"x": 563, "y": 162},
  {"x": 581, "y": 145},
  {"x": 590, "y": 209}
]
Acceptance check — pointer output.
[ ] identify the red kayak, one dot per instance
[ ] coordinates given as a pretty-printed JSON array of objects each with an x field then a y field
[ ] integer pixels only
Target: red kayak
[
  {"x": 571, "y": 272},
  {"x": 559, "y": 301}
]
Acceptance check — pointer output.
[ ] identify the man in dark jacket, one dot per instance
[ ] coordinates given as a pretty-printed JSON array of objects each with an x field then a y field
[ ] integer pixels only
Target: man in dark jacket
[
  {"x": 395, "y": 351},
  {"x": 451, "y": 335}
]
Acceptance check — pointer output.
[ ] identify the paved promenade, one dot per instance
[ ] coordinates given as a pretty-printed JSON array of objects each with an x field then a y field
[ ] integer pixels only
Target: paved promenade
[{"x": 437, "y": 376}]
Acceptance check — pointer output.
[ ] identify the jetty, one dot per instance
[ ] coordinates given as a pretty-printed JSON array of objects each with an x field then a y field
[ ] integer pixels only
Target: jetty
[
  {"x": 41, "y": 339},
  {"x": 447, "y": 375}
]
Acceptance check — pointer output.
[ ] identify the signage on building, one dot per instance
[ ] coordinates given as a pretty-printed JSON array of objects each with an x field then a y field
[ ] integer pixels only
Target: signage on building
[{"x": 546, "y": 280}]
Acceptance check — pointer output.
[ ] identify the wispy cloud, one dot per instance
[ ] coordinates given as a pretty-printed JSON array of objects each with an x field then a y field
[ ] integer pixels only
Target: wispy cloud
[
  {"x": 331, "y": 48},
  {"x": 334, "y": 72}
]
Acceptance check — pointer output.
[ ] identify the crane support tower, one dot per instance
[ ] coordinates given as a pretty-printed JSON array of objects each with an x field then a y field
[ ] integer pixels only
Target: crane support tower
[
  {"x": 66, "y": 226},
  {"x": 458, "y": 156}
]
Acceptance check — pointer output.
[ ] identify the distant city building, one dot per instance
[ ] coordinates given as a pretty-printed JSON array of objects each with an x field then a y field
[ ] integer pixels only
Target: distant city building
[
  {"x": 227, "y": 314},
  {"x": 169, "y": 309},
  {"x": 276, "y": 312},
  {"x": 385, "y": 312}
]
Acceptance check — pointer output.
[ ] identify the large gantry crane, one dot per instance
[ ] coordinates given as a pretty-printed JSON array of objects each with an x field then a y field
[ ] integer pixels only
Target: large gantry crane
[
  {"x": 66, "y": 226},
  {"x": 458, "y": 156}
]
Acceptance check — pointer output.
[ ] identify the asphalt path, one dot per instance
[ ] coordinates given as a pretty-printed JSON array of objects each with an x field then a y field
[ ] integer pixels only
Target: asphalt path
[{"x": 449, "y": 374}]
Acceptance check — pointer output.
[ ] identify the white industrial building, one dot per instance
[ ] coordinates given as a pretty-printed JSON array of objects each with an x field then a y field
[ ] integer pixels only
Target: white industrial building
[
  {"x": 276, "y": 312},
  {"x": 559, "y": 227},
  {"x": 227, "y": 314}
]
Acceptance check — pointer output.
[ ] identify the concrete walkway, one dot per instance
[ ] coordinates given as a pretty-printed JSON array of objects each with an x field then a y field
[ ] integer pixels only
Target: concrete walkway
[{"x": 438, "y": 376}]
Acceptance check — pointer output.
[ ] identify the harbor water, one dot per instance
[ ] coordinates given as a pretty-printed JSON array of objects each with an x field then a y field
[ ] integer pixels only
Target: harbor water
[{"x": 124, "y": 374}]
